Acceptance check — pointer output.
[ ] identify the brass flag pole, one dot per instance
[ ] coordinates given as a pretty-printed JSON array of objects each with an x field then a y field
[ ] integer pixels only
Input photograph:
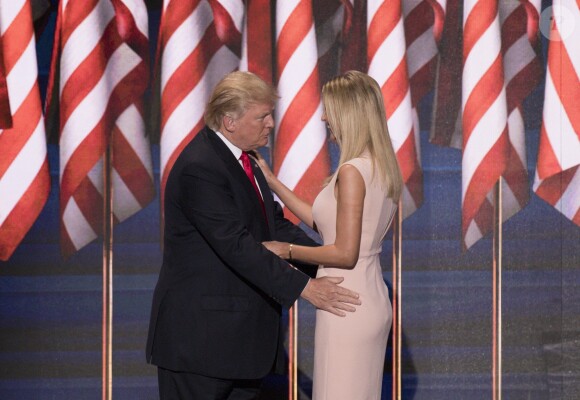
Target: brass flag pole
[
  {"x": 107, "y": 324},
  {"x": 496, "y": 293},
  {"x": 293, "y": 352},
  {"x": 292, "y": 320},
  {"x": 397, "y": 337}
]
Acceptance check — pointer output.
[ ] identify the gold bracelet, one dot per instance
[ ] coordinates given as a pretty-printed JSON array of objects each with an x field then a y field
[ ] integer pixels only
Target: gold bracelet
[{"x": 290, "y": 251}]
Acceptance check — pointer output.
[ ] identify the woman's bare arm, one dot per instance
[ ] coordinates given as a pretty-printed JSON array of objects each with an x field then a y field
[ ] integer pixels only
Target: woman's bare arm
[
  {"x": 300, "y": 208},
  {"x": 350, "y": 193}
]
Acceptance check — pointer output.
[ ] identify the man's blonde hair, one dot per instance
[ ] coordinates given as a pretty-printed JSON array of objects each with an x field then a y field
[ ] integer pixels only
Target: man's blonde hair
[
  {"x": 355, "y": 111},
  {"x": 233, "y": 94}
]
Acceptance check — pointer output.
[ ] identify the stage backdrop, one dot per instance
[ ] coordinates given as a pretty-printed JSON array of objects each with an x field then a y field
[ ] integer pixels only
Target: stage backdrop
[{"x": 474, "y": 90}]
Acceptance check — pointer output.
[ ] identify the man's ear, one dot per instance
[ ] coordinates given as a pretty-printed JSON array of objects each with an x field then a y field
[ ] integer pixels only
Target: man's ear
[{"x": 229, "y": 123}]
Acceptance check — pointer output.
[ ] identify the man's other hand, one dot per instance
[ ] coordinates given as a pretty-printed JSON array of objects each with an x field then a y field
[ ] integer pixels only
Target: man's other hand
[{"x": 326, "y": 294}]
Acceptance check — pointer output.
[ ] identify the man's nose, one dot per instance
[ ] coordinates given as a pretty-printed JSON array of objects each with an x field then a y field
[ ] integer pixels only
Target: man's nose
[{"x": 269, "y": 121}]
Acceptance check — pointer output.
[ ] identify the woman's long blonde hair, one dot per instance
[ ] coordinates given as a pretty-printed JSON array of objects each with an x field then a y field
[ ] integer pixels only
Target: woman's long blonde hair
[{"x": 355, "y": 112}]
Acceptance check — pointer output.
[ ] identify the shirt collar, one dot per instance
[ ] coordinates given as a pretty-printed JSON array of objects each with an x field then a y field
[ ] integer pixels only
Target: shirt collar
[{"x": 236, "y": 151}]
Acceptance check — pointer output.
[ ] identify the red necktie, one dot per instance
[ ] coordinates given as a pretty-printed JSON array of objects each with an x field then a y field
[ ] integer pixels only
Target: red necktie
[{"x": 248, "y": 170}]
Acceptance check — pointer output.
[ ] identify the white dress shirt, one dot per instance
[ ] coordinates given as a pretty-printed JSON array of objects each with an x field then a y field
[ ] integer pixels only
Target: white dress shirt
[{"x": 237, "y": 152}]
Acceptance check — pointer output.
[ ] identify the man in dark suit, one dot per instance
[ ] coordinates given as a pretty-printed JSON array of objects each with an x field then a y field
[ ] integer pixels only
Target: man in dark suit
[{"x": 215, "y": 321}]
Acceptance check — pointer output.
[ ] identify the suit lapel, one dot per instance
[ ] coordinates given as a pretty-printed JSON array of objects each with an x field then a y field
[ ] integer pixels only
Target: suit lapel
[
  {"x": 238, "y": 173},
  {"x": 266, "y": 196}
]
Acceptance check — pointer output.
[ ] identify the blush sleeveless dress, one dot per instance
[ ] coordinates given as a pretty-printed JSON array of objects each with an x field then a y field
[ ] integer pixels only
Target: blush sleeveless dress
[{"x": 349, "y": 351}]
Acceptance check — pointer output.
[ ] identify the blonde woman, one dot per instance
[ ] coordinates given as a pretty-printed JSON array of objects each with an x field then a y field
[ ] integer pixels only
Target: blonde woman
[{"x": 352, "y": 213}]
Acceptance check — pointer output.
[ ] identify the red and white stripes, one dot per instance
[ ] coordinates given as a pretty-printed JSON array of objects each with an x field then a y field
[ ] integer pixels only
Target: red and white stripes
[
  {"x": 522, "y": 73},
  {"x": 132, "y": 170},
  {"x": 422, "y": 20},
  {"x": 24, "y": 176},
  {"x": 103, "y": 73},
  {"x": 388, "y": 66},
  {"x": 300, "y": 154},
  {"x": 485, "y": 138},
  {"x": 423, "y": 24},
  {"x": 557, "y": 179},
  {"x": 193, "y": 59},
  {"x": 229, "y": 22},
  {"x": 257, "y": 32}
]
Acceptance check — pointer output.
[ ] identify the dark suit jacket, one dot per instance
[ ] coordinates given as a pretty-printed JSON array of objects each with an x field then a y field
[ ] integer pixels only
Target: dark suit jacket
[{"x": 217, "y": 304}]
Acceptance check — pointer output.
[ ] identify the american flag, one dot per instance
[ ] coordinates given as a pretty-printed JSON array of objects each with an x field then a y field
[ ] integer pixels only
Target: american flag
[
  {"x": 300, "y": 154},
  {"x": 257, "y": 57},
  {"x": 484, "y": 111},
  {"x": 423, "y": 25},
  {"x": 229, "y": 20},
  {"x": 446, "y": 113},
  {"x": 5, "y": 114},
  {"x": 354, "y": 33},
  {"x": 557, "y": 179},
  {"x": 340, "y": 31},
  {"x": 195, "y": 52},
  {"x": 522, "y": 73},
  {"x": 388, "y": 66},
  {"x": 99, "y": 73},
  {"x": 24, "y": 175}
]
